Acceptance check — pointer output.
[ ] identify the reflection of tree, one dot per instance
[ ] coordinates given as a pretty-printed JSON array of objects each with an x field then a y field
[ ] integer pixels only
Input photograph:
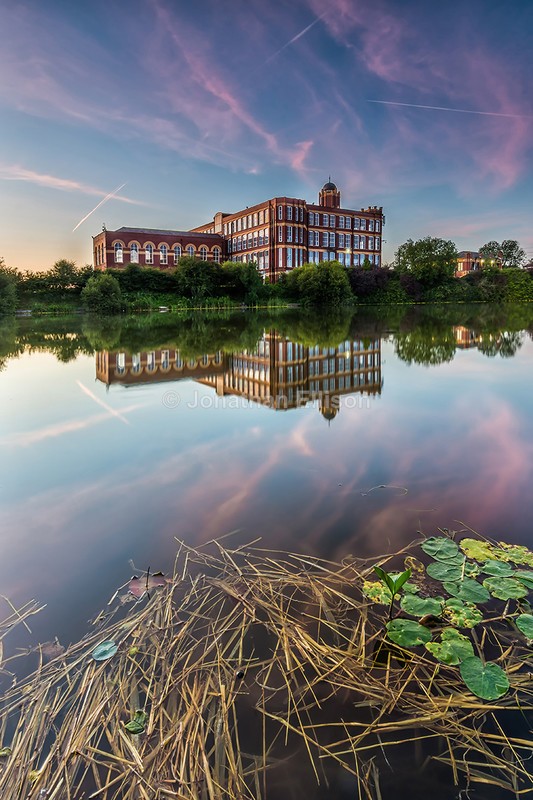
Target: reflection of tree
[
  {"x": 504, "y": 343},
  {"x": 421, "y": 346}
]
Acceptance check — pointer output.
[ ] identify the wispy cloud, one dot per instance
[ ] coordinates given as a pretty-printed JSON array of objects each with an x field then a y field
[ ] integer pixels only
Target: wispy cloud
[{"x": 17, "y": 173}]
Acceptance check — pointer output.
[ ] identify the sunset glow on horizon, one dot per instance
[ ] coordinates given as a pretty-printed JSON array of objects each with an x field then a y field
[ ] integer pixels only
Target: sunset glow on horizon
[{"x": 196, "y": 108}]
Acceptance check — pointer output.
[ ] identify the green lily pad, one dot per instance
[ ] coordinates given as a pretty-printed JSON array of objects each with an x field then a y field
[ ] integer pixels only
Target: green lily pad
[
  {"x": 410, "y": 588},
  {"x": 444, "y": 572},
  {"x": 472, "y": 569},
  {"x": 5, "y": 752},
  {"x": 487, "y": 681},
  {"x": 420, "y": 606},
  {"x": 104, "y": 650},
  {"x": 524, "y": 623},
  {"x": 505, "y": 588},
  {"x": 498, "y": 569},
  {"x": 441, "y": 549},
  {"x": 469, "y": 590},
  {"x": 137, "y": 724},
  {"x": 453, "y": 647},
  {"x": 479, "y": 551},
  {"x": 524, "y": 577},
  {"x": 377, "y": 592},
  {"x": 407, "y": 632},
  {"x": 464, "y": 615},
  {"x": 517, "y": 553}
]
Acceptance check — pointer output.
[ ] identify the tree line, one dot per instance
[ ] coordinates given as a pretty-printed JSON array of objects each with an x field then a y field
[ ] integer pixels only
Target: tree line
[{"x": 422, "y": 271}]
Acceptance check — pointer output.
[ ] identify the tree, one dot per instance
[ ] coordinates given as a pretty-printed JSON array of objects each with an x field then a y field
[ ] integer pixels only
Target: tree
[
  {"x": 507, "y": 254},
  {"x": 431, "y": 260},
  {"x": 8, "y": 289},
  {"x": 197, "y": 279},
  {"x": 102, "y": 294},
  {"x": 325, "y": 283}
]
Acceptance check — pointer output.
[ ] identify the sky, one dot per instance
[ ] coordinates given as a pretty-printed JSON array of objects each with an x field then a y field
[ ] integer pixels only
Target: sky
[{"x": 159, "y": 113}]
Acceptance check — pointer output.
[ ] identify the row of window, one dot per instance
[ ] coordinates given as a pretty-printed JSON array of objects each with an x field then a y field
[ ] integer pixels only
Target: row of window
[
  {"x": 346, "y": 259},
  {"x": 344, "y": 240},
  {"x": 341, "y": 221},
  {"x": 164, "y": 252},
  {"x": 245, "y": 222},
  {"x": 252, "y": 240},
  {"x": 165, "y": 362}
]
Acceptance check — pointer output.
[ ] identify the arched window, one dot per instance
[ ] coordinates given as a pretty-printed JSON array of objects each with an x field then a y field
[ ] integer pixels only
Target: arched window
[
  {"x": 203, "y": 253},
  {"x": 134, "y": 253},
  {"x": 119, "y": 253},
  {"x": 216, "y": 254},
  {"x": 149, "y": 251},
  {"x": 177, "y": 253},
  {"x": 163, "y": 254},
  {"x": 190, "y": 251}
]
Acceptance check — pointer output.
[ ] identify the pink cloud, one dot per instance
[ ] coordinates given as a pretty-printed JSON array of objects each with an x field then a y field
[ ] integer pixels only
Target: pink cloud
[{"x": 17, "y": 173}]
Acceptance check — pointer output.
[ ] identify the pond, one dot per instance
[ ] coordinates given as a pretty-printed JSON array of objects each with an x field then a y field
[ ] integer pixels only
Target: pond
[{"x": 329, "y": 435}]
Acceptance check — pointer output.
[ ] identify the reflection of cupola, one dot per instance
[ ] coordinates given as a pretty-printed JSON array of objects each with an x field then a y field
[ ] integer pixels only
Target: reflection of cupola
[
  {"x": 329, "y": 407},
  {"x": 329, "y": 195}
]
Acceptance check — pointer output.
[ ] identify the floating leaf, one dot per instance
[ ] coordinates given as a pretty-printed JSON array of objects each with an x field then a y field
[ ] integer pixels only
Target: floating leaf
[
  {"x": 444, "y": 572},
  {"x": 479, "y": 551},
  {"x": 377, "y": 592},
  {"x": 139, "y": 586},
  {"x": 464, "y": 615},
  {"x": 487, "y": 681},
  {"x": 505, "y": 588},
  {"x": 442, "y": 549},
  {"x": 137, "y": 724},
  {"x": 472, "y": 570},
  {"x": 517, "y": 553},
  {"x": 524, "y": 623},
  {"x": 420, "y": 606},
  {"x": 410, "y": 588},
  {"x": 453, "y": 647},
  {"x": 469, "y": 590},
  {"x": 5, "y": 752},
  {"x": 498, "y": 569},
  {"x": 104, "y": 650},
  {"x": 525, "y": 577},
  {"x": 407, "y": 632}
]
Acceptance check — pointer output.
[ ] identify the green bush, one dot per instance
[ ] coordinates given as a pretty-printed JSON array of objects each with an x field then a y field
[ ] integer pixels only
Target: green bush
[
  {"x": 8, "y": 291},
  {"x": 102, "y": 294}
]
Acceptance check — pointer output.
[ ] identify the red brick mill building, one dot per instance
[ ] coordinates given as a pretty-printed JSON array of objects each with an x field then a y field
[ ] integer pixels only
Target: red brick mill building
[{"x": 278, "y": 234}]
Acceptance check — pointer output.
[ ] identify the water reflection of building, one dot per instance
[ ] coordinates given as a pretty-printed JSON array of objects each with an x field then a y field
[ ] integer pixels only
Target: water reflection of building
[
  {"x": 465, "y": 337},
  {"x": 278, "y": 373}
]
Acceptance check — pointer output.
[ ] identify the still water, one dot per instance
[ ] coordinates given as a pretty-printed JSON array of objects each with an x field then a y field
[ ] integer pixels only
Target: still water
[{"x": 323, "y": 435}]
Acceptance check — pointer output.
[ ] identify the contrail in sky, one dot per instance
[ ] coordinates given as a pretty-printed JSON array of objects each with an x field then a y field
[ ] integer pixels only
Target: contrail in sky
[
  {"x": 100, "y": 402},
  {"x": 295, "y": 38},
  {"x": 455, "y": 110},
  {"x": 105, "y": 199}
]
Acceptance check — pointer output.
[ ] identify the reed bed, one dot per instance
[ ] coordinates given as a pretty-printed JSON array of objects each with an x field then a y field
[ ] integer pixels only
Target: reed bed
[{"x": 248, "y": 661}]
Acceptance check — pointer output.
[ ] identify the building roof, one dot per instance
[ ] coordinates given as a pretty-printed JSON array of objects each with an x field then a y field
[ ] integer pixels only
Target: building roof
[
  {"x": 158, "y": 232},
  {"x": 329, "y": 186},
  {"x": 468, "y": 254}
]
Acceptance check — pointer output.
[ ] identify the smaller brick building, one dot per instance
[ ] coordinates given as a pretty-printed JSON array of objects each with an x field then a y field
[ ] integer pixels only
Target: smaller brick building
[{"x": 154, "y": 248}]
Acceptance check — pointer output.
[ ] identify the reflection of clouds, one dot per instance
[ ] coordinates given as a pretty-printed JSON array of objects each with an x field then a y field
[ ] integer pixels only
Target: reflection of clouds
[{"x": 25, "y": 438}]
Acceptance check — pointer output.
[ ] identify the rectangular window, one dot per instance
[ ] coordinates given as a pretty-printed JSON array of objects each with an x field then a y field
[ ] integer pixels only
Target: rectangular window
[
  {"x": 280, "y": 212},
  {"x": 266, "y": 235},
  {"x": 356, "y": 223},
  {"x": 261, "y": 217},
  {"x": 261, "y": 240},
  {"x": 341, "y": 240},
  {"x": 332, "y": 239},
  {"x": 289, "y": 260},
  {"x": 311, "y": 218},
  {"x": 370, "y": 224},
  {"x": 362, "y": 243},
  {"x": 325, "y": 239},
  {"x": 342, "y": 258},
  {"x": 348, "y": 240},
  {"x": 377, "y": 260},
  {"x": 255, "y": 220},
  {"x": 349, "y": 223},
  {"x": 378, "y": 242},
  {"x": 289, "y": 232},
  {"x": 363, "y": 224},
  {"x": 370, "y": 242},
  {"x": 341, "y": 222},
  {"x": 317, "y": 238},
  {"x": 289, "y": 212},
  {"x": 325, "y": 220},
  {"x": 311, "y": 238},
  {"x": 280, "y": 233},
  {"x": 332, "y": 220},
  {"x": 249, "y": 221},
  {"x": 378, "y": 225}
]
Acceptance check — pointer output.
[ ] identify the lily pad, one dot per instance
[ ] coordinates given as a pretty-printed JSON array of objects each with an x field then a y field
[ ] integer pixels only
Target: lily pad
[
  {"x": 407, "y": 632},
  {"x": 137, "y": 724},
  {"x": 420, "y": 606},
  {"x": 524, "y": 623},
  {"x": 377, "y": 592},
  {"x": 469, "y": 590},
  {"x": 464, "y": 615},
  {"x": 517, "y": 553},
  {"x": 505, "y": 588},
  {"x": 444, "y": 572},
  {"x": 498, "y": 569},
  {"x": 453, "y": 647},
  {"x": 479, "y": 551},
  {"x": 410, "y": 588},
  {"x": 524, "y": 577},
  {"x": 487, "y": 681},
  {"x": 104, "y": 650},
  {"x": 442, "y": 549}
]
